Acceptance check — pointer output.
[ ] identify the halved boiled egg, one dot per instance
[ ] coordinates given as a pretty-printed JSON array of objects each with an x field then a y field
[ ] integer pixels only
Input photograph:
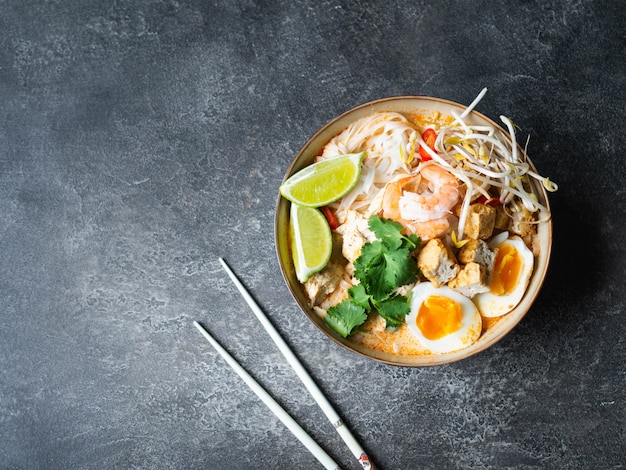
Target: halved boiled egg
[
  {"x": 441, "y": 319},
  {"x": 511, "y": 273}
]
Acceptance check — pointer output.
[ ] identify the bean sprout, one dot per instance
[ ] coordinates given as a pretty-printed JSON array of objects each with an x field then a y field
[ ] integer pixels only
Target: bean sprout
[{"x": 485, "y": 159}]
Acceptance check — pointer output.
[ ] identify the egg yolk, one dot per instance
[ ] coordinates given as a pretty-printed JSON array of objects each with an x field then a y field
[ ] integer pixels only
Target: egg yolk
[
  {"x": 506, "y": 270},
  {"x": 438, "y": 316}
]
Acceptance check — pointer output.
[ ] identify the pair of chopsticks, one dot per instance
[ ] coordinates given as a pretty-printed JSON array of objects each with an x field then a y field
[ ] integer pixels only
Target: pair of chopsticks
[{"x": 304, "y": 376}]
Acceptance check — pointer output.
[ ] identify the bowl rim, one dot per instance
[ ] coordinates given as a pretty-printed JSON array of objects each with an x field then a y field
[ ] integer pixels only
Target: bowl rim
[{"x": 537, "y": 280}]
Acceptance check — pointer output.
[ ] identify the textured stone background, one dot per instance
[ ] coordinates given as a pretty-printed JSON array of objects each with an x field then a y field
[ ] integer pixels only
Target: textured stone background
[{"x": 140, "y": 140}]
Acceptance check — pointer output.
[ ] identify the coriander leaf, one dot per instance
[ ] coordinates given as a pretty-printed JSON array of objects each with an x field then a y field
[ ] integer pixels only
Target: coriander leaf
[
  {"x": 402, "y": 267},
  {"x": 381, "y": 270},
  {"x": 393, "y": 310},
  {"x": 370, "y": 254},
  {"x": 390, "y": 233},
  {"x": 387, "y": 231},
  {"x": 359, "y": 296},
  {"x": 383, "y": 265},
  {"x": 368, "y": 263},
  {"x": 345, "y": 316},
  {"x": 379, "y": 279},
  {"x": 414, "y": 240}
]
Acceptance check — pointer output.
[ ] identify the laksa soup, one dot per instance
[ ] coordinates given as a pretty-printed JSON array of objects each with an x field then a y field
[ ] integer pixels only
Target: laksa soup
[{"x": 414, "y": 230}]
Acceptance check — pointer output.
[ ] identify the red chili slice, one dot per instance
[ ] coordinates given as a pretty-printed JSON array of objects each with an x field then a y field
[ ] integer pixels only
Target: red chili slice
[
  {"x": 330, "y": 217},
  {"x": 429, "y": 136},
  {"x": 494, "y": 201}
]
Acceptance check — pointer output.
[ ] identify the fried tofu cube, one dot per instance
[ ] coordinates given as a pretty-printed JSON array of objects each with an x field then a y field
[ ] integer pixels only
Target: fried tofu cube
[
  {"x": 523, "y": 223},
  {"x": 502, "y": 219},
  {"x": 471, "y": 280},
  {"x": 477, "y": 251},
  {"x": 480, "y": 221},
  {"x": 437, "y": 262}
]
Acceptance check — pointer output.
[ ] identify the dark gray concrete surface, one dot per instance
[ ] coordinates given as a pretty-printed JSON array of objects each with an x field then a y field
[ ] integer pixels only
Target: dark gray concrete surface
[{"x": 140, "y": 141}]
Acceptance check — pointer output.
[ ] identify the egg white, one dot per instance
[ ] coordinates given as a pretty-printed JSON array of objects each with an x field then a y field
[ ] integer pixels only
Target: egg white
[
  {"x": 471, "y": 323},
  {"x": 492, "y": 305}
]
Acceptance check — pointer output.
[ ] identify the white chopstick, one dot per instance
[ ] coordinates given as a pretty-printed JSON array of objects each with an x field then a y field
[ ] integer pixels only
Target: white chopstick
[
  {"x": 287, "y": 420},
  {"x": 304, "y": 376}
]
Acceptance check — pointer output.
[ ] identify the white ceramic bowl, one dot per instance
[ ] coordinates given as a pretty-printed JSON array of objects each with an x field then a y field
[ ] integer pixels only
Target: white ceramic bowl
[{"x": 409, "y": 104}]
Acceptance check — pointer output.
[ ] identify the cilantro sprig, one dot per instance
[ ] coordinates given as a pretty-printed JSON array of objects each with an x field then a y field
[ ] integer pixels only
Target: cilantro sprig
[{"x": 384, "y": 265}]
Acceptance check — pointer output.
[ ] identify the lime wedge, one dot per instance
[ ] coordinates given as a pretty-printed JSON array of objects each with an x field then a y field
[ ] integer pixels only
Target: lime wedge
[
  {"x": 323, "y": 182},
  {"x": 311, "y": 241}
]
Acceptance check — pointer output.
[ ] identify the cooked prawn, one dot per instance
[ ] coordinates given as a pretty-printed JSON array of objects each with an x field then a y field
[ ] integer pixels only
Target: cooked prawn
[{"x": 422, "y": 202}]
